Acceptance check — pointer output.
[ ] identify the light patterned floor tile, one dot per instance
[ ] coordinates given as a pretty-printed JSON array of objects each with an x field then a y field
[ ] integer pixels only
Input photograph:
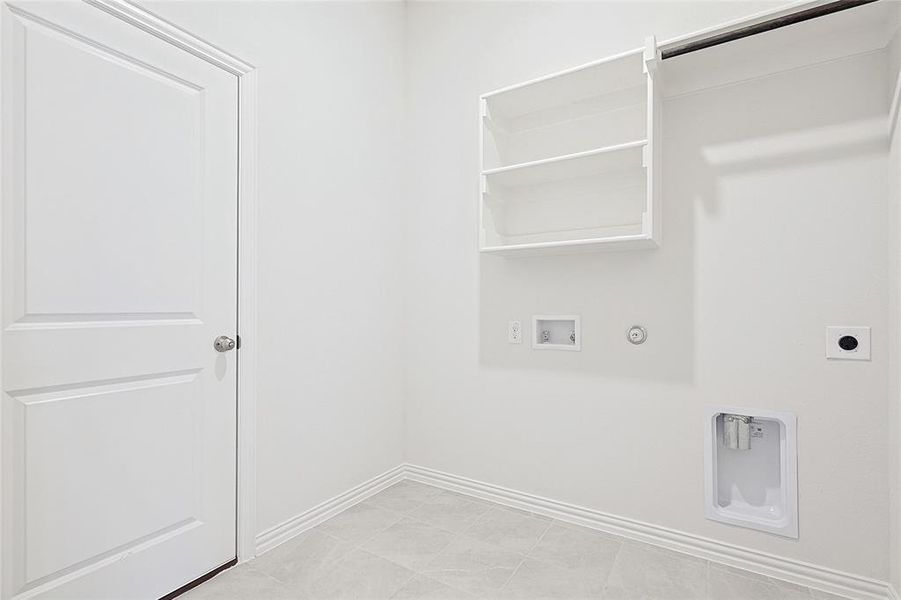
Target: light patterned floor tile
[
  {"x": 404, "y": 497},
  {"x": 473, "y": 566},
  {"x": 452, "y": 512},
  {"x": 409, "y": 542},
  {"x": 646, "y": 572},
  {"x": 536, "y": 580},
  {"x": 360, "y": 522},
  {"x": 361, "y": 576},
  {"x": 426, "y": 588},
  {"x": 452, "y": 547},
  {"x": 511, "y": 529},
  {"x": 726, "y": 583},
  {"x": 241, "y": 583},
  {"x": 300, "y": 561},
  {"x": 578, "y": 548}
]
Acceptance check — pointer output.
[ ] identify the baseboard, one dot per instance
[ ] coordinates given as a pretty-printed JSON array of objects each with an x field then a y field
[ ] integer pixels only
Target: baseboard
[
  {"x": 272, "y": 537},
  {"x": 787, "y": 569}
]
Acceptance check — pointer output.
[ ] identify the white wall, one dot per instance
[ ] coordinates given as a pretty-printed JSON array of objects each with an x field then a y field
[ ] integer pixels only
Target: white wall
[
  {"x": 766, "y": 242},
  {"x": 330, "y": 299},
  {"x": 367, "y": 295},
  {"x": 894, "y": 77}
]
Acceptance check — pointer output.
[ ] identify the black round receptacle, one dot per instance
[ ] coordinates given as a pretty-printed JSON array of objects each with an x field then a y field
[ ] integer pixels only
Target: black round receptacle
[{"x": 847, "y": 343}]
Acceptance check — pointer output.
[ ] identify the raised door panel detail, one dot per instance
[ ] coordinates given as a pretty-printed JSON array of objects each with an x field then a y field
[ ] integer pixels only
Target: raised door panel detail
[
  {"x": 145, "y": 489},
  {"x": 110, "y": 233}
]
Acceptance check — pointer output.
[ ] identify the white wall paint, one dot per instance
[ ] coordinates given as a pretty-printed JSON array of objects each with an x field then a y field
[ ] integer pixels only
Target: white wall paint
[
  {"x": 760, "y": 254},
  {"x": 895, "y": 393},
  {"x": 330, "y": 98},
  {"x": 894, "y": 66},
  {"x": 750, "y": 248}
]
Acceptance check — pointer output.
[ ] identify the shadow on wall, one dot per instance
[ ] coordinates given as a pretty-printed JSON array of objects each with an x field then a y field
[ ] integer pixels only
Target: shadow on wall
[
  {"x": 611, "y": 291},
  {"x": 721, "y": 146},
  {"x": 781, "y": 123}
]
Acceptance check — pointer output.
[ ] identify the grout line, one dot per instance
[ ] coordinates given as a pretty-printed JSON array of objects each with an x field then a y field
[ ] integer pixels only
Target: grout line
[
  {"x": 513, "y": 574},
  {"x": 616, "y": 556},
  {"x": 707, "y": 580},
  {"x": 525, "y": 555}
]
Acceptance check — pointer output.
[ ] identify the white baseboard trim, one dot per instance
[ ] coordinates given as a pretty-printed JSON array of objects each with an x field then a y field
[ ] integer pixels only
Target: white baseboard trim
[
  {"x": 281, "y": 533},
  {"x": 787, "y": 569}
]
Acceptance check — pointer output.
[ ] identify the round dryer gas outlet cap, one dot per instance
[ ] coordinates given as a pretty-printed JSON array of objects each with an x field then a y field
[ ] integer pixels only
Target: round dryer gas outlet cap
[{"x": 637, "y": 334}]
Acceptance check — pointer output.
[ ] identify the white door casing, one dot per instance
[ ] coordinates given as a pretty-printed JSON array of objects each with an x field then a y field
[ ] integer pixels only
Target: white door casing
[{"x": 119, "y": 223}]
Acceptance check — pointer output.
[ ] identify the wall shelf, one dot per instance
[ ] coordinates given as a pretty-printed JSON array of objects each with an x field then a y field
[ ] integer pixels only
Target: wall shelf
[
  {"x": 580, "y": 164},
  {"x": 569, "y": 160}
]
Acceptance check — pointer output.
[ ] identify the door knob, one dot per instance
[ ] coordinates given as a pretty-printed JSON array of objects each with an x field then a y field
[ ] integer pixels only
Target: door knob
[{"x": 223, "y": 343}]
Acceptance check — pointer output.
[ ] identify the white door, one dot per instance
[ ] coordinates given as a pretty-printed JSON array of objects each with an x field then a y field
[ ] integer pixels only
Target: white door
[{"x": 119, "y": 204}]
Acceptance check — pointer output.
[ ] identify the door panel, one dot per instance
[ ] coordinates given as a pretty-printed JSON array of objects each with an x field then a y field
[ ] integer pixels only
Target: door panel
[
  {"x": 119, "y": 204},
  {"x": 134, "y": 211}
]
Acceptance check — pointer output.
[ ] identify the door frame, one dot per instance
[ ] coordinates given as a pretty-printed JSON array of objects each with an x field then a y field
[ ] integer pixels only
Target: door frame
[{"x": 246, "y": 74}]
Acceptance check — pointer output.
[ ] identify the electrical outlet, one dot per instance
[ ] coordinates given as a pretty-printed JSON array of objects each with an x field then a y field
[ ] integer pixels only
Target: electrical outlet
[
  {"x": 848, "y": 343},
  {"x": 514, "y": 332}
]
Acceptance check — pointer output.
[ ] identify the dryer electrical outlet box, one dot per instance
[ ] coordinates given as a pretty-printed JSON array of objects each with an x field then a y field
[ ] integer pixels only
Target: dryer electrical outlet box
[{"x": 848, "y": 343}]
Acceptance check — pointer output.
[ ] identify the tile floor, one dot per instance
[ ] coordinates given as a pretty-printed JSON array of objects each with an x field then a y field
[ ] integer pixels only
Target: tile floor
[{"x": 417, "y": 541}]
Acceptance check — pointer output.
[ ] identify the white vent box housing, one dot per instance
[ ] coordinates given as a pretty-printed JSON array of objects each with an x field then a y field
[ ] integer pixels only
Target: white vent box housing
[
  {"x": 556, "y": 332},
  {"x": 756, "y": 487}
]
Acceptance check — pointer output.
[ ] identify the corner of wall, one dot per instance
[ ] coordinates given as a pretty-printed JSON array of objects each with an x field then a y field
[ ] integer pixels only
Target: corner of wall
[{"x": 894, "y": 166}]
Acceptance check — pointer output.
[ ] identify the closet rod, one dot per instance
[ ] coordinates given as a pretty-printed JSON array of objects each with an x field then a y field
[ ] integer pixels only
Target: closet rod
[{"x": 763, "y": 26}]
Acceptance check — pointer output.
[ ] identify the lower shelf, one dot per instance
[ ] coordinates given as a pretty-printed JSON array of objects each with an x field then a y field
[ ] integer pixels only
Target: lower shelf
[
  {"x": 602, "y": 203},
  {"x": 609, "y": 244}
]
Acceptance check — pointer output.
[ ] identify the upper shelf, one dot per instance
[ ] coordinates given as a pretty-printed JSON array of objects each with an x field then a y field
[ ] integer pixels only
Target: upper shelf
[{"x": 596, "y": 79}]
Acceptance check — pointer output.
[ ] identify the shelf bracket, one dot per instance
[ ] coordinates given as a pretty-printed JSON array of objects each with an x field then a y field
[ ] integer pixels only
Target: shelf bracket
[{"x": 651, "y": 56}]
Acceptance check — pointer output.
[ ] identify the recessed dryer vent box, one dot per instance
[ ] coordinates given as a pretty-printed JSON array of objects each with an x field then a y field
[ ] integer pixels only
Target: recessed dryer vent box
[
  {"x": 556, "y": 332},
  {"x": 751, "y": 468}
]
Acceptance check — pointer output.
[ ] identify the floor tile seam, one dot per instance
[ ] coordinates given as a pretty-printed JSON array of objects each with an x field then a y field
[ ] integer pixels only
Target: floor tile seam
[
  {"x": 250, "y": 567},
  {"x": 617, "y": 560},
  {"x": 338, "y": 563},
  {"x": 539, "y": 540},
  {"x": 335, "y": 565},
  {"x": 525, "y": 555},
  {"x": 416, "y": 570},
  {"x": 359, "y": 543},
  {"x": 440, "y": 553},
  {"x": 618, "y": 539},
  {"x": 507, "y": 581},
  {"x": 413, "y": 576},
  {"x": 563, "y": 567}
]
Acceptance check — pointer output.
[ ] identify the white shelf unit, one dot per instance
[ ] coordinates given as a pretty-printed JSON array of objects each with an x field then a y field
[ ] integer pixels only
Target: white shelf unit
[{"x": 570, "y": 161}]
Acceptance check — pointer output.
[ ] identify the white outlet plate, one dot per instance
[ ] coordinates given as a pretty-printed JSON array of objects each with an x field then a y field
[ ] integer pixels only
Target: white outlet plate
[
  {"x": 834, "y": 349},
  {"x": 514, "y": 332}
]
